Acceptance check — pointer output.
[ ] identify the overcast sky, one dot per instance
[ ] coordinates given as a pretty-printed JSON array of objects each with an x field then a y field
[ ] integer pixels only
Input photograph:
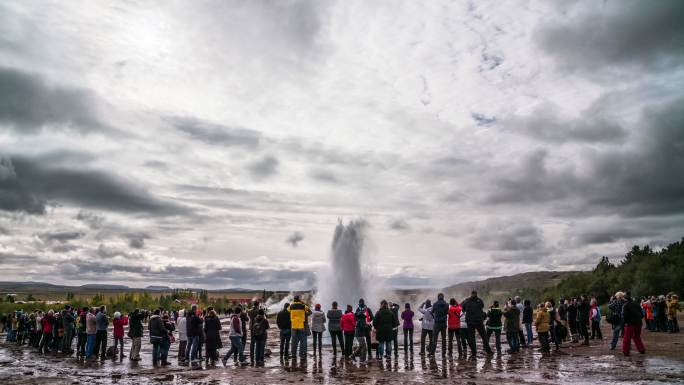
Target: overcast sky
[{"x": 216, "y": 143}]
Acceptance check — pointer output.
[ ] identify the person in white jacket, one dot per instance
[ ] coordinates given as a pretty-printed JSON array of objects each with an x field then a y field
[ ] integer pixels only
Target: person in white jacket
[
  {"x": 182, "y": 328},
  {"x": 427, "y": 324}
]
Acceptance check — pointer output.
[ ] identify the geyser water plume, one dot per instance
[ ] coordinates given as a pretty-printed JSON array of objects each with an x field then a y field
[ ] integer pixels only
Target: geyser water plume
[{"x": 343, "y": 280}]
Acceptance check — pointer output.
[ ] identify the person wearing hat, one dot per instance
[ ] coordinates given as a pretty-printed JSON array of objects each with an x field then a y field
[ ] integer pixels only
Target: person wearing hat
[{"x": 119, "y": 322}]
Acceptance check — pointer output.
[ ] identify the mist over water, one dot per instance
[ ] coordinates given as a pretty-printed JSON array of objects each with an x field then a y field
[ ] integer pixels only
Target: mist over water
[{"x": 344, "y": 279}]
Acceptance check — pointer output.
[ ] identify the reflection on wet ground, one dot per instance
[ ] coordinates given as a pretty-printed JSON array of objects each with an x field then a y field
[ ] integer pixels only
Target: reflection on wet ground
[{"x": 596, "y": 364}]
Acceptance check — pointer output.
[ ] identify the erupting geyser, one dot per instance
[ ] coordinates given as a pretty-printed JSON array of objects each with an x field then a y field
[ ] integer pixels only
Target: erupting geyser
[{"x": 343, "y": 279}]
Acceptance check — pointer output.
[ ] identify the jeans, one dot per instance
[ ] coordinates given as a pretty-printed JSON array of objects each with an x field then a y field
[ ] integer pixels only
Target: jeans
[
  {"x": 101, "y": 343},
  {"x": 285, "y": 335},
  {"x": 423, "y": 334},
  {"x": 236, "y": 349},
  {"x": 66, "y": 341},
  {"x": 363, "y": 349},
  {"x": 454, "y": 334},
  {"x": 544, "y": 341},
  {"x": 260, "y": 348},
  {"x": 440, "y": 328},
  {"x": 616, "y": 335},
  {"x": 463, "y": 337},
  {"x": 596, "y": 330},
  {"x": 408, "y": 340},
  {"x": 299, "y": 340},
  {"x": 135, "y": 348},
  {"x": 317, "y": 341},
  {"x": 583, "y": 332},
  {"x": 45, "y": 343},
  {"x": 81, "y": 344},
  {"x": 118, "y": 343},
  {"x": 385, "y": 347},
  {"x": 479, "y": 327},
  {"x": 673, "y": 325},
  {"x": 156, "y": 353},
  {"x": 164, "y": 349},
  {"x": 192, "y": 349},
  {"x": 337, "y": 335},
  {"x": 395, "y": 341},
  {"x": 182, "y": 346},
  {"x": 521, "y": 338},
  {"x": 348, "y": 343},
  {"x": 497, "y": 338},
  {"x": 513, "y": 338},
  {"x": 90, "y": 345},
  {"x": 632, "y": 333},
  {"x": 528, "y": 331},
  {"x": 252, "y": 346}
]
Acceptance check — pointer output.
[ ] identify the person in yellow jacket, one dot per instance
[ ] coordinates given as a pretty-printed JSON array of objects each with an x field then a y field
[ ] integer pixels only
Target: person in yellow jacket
[
  {"x": 541, "y": 323},
  {"x": 672, "y": 309},
  {"x": 298, "y": 313}
]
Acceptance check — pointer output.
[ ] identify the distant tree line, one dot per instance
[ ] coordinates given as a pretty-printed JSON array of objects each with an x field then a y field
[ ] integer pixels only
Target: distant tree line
[{"x": 642, "y": 271}]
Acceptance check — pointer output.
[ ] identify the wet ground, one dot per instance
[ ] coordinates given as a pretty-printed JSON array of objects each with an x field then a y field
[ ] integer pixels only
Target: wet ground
[{"x": 596, "y": 364}]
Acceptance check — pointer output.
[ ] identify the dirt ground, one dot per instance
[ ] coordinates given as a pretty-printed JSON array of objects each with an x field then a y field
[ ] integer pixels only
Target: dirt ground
[{"x": 596, "y": 364}]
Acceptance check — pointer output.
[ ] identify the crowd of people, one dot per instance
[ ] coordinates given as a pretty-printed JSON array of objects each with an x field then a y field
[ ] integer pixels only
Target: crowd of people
[{"x": 357, "y": 332}]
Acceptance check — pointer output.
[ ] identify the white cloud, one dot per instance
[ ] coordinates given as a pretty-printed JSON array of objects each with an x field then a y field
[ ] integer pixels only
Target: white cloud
[{"x": 210, "y": 132}]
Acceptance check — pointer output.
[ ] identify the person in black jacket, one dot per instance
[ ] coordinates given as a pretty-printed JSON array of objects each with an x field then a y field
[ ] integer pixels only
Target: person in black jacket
[
  {"x": 169, "y": 327},
  {"x": 631, "y": 317},
  {"x": 212, "y": 330},
  {"x": 473, "y": 308},
  {"x": 157, "y": 334},
  {"x": 285, "y": 325},
  {"x": 583, "y": 314},
  {"x": 440, "y": 312},
  {"x": 527, "y": 319},
  {"x": 194, "y": 327},
  {"x": 614, "y": 317}
]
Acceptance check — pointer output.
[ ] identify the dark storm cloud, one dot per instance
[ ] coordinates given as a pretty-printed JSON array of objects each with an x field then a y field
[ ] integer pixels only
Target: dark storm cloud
[
  {"x": 64, "y": 248},
  {"x": 644, "y": 180},
  {"x": 398, "y": 224},
  {"x": 93, "y": 221},
  {"x": 217, "y": 134},
  {"x": 616, "y": 33},
  {"x": 107, "y": 252},
  {"x": 264, "y": 167},
  {"x": 61, "y": 236},
  {"x": 651, "y": 230},
  {"x": 136, "y": 240},
  {"x": 482, "y": 120},
  {"x": 188, "y": 275},
  {"x": 4, "y": 231},
  {"x": 509, "y": 235},
  {"x": 324, "y": 176},
  {"x": 19, "y": 259},
  {"x": 295, "y": 238},
  {"x": 594, "y": 125},
  {"x": 156, "y": 164},
  {"x": 28, "y": 103},
  {"x": 32, "y": 183}
]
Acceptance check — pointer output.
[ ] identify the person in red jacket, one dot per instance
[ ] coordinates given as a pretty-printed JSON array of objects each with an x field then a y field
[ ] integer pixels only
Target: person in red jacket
[
  {"x": 454, "y": 325},
  {"x": 46, "y": 323},
  {"x": 119, "y": 323},
  {"x": 348, "y": 325}
]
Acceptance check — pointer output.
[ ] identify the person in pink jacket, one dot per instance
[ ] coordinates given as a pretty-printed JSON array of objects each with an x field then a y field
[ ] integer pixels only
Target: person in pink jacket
[
  {"x": 119, "y": 323},
  {"x": 348, "y": 325}
]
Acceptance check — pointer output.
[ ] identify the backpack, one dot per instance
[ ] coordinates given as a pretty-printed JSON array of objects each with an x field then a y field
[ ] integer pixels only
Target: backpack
[
  {"x": 612, "y": 317},
  {"x": 258, "y": 328}
]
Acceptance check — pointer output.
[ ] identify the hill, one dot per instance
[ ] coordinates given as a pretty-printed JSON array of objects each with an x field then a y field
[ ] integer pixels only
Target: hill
[{"x": 528, "y": 285}]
